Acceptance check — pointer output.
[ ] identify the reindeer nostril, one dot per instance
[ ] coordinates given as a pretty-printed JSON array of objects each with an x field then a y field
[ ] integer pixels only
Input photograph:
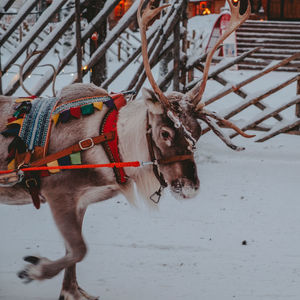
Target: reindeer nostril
[{"x": 176, "y": 184}]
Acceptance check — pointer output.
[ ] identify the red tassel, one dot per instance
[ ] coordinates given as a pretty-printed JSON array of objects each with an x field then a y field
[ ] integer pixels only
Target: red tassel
[
  {"x": 75, "y": 112},
  {"x": 11, "y": 119},
  {"x": 119, "y": 100}
]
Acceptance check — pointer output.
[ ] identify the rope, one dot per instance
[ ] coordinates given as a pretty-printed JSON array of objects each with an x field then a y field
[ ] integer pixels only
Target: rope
[{"x": 134, "y": 164}]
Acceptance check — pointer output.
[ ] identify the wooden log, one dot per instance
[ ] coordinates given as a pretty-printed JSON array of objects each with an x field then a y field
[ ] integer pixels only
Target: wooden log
[
  {"x": 44, "y": 47},
  {"x": 271, "y": 114},
  {"x": 119, "y": 50},
  {"x": 116, "y": 31},
  {"x": 78, "y": 41},
  {"x": 125, "y": 65},
  {"x": 5, "y": 5},
  {"x": 176, "y": 55},
  {"x": 264, "y": 95},
  {"x": 298, "y": 93},
  {"x": 283, "y": 129},
  {"x": 137, "y": 79},
  {"x": 184, "y": 40},
  {"x": 197, "y": 64},
  {"x": 103, "y": 14},
  {"x": 19, "y": 18},
  {"x": 35, "y": 31},
  {"x": 167, "y": 32},
  {"x": 252, "y": 78}
]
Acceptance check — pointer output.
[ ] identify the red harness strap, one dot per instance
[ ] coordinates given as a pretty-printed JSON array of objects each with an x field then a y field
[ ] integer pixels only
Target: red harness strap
[{"x": 111, "y": 147}]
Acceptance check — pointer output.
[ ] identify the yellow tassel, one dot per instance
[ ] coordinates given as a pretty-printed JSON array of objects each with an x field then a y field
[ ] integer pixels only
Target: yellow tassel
[
  {"x": 98, "y": 105},
  {"x": 18, "y": 121},
  {"x": 11, "y": 165},
  {"x": 55, "y": 118},
  {"x": 53, "y": 164},
  {"x": 20, "y": 100}
]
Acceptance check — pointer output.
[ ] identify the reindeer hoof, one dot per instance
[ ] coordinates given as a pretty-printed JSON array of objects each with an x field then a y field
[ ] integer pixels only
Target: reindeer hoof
[
  {"x": 33, "y": 270},
  {"x": 77, "y": 294},
  {"x": 24, "y": 276},
  {"x": 32, "y": 259}
]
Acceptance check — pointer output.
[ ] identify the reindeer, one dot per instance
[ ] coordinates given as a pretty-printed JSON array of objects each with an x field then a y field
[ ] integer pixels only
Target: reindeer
[{"x": 161, "y": 128}]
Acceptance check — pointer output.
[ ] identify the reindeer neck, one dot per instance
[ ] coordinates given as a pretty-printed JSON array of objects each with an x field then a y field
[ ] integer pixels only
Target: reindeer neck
[{"x": 132, "y": 133}]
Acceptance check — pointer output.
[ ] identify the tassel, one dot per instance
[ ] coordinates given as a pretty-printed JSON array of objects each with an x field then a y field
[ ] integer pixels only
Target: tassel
[
  {"x": 75, "y": 112},
  {"x": 11, "y": 119},
  {"x": 53, "y": 164},
  {"x": 19, "y": 144},
  {"x": 65, "y": 116},
  {"x": 75, "y": 158},
  {"x": 12, "y": 130},
  {"x": 119, "y": 101},
  {"x": 55, "y": 118},
  {"x": 98, "y": 105},
  {"x": 64, "y": 161},
  {"x": 11, "y": 165},
  {"x": 17, "y": 121},
  {"x": 87, "y": 109},
  {"x": 110, "y": 103}
]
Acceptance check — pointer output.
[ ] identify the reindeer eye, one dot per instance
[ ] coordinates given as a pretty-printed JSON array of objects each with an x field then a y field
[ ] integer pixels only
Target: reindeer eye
[{"x": 165, "y": 134}]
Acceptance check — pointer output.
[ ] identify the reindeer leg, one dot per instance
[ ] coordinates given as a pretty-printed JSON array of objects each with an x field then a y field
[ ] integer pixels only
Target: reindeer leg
[
  {"x": 70, "y": 288},
  {"x": 69, "y": 223}
]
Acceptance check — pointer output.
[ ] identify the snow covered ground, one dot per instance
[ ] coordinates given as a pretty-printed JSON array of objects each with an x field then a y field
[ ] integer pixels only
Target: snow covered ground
[
  {"x": 239, "y": 239},
  {"x": 191, "y": 249}
]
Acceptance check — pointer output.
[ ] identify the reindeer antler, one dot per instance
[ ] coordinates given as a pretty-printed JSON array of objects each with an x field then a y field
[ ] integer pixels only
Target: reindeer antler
[
  {"x": 240, "y": 11},
  {"x": 143, "y": 19},
  {"x": 29, "y": 55}
]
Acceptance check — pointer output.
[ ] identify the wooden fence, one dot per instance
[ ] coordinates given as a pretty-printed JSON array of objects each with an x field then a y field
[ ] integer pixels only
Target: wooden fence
[{"x": 168, "y": 34}]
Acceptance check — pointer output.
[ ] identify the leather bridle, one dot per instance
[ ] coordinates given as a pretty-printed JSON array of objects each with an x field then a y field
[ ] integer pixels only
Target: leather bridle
[{"x": 155, "y": 197}]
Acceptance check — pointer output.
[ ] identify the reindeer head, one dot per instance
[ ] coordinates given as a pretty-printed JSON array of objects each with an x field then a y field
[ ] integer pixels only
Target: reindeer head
[{"x": 173, "y": 118}]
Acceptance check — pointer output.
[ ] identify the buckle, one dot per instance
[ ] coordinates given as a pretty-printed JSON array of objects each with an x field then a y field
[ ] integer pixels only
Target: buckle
[
  {"x": 31, "y": 182},
  {"x": 80, "y": 143}
]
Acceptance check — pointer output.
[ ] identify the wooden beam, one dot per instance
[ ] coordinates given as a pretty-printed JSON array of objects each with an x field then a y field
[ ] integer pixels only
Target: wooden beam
[
  {"x": 5, "y": 5},
  {"x": 35, "y": 31},
  {"x": 264, "y": 95},
  {"x": 298, "y": 93},
  {"x": 103, "y": 14},
  {"x": 78, "y": 41},
  {"x": 283, "y": 129},
  {"x": 251, "y": 79},
  {"x": 268, "y": 115},
  {"x": 172, "y": 21},
  {"x": 176, "y": 55},
  {"x": 19, "y": 18},
  {"x": 54, "y": 36}
]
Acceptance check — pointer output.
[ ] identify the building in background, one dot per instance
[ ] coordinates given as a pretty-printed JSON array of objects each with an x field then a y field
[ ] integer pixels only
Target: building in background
[{"x": 288, "y": 10}]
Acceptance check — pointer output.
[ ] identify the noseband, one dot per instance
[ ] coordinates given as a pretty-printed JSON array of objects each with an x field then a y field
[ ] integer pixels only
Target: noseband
[{"x": 155, "y": 197}]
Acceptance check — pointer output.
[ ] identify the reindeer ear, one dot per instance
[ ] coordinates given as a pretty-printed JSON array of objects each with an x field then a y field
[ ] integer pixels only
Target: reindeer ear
[{"x": 152, "y": 101}]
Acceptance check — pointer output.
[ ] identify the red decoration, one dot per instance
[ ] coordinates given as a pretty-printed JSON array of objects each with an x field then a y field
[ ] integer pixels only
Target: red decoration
[{"x": 95, "y": 36}]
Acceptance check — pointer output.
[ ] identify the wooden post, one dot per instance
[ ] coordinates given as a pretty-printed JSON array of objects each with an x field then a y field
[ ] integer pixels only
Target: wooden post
[
  {"x": 298, "y": 104},
  {"x": 20, "y": 33},
  {"x": 1, "y": 92},
  {"x": 298, "y": 93},
  {"x": 184, "y": 46},
  {"x": 78, "y": 41},
  {"x": 176, "y": 34},
  {"x": 119, "y": 50}
]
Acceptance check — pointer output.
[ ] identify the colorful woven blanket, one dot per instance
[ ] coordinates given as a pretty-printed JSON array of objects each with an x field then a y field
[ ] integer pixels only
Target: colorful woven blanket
[{"x": 31, "y": 127}]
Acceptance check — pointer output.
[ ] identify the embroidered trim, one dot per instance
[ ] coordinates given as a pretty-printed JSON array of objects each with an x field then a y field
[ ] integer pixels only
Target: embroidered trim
[{"x": 80, "y": 102}]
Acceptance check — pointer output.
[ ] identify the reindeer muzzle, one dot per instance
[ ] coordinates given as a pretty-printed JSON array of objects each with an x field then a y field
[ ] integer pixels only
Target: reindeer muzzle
[{"x": 176, "y": 158}]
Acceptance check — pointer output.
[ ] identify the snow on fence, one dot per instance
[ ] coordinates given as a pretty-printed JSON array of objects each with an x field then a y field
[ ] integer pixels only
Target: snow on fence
[{"x": 166, "y": 35}]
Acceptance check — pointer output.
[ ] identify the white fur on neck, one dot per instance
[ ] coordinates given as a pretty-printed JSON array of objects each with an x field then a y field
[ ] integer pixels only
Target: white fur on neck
[{"x": 133, "y": 147}]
